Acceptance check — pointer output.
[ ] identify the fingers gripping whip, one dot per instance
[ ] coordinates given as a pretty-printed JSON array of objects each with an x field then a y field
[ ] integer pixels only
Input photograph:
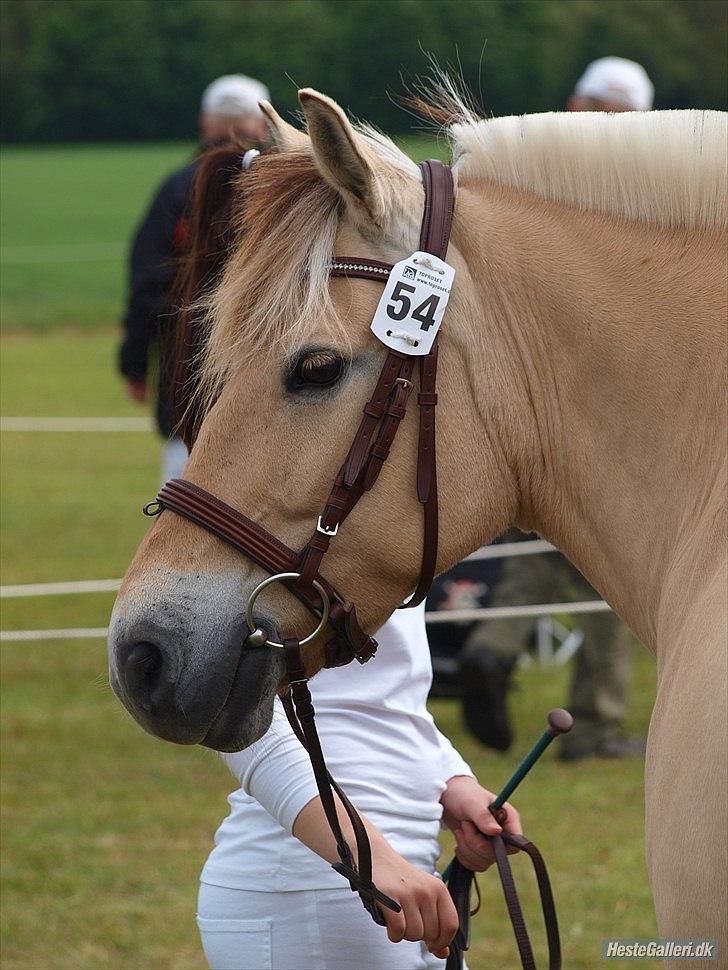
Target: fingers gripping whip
[
  {"x": 459, "y": 879},
  {"x": 558, "y": 722}
]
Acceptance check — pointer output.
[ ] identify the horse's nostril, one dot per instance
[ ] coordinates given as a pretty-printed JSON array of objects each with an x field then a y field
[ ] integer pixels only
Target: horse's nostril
[{"x": 143, "y": 670}]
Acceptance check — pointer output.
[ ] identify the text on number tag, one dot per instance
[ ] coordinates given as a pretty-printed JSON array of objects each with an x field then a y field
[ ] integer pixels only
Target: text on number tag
[{"x": 413, "y": 303}]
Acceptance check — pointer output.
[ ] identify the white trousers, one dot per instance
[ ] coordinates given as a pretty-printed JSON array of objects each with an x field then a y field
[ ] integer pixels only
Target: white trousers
[{"x": 315, "y": 929}]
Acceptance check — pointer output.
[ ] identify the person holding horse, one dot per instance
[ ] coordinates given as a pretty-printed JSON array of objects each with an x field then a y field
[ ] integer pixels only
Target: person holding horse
[
  {"x": 600, "y": 684},
  {"x": 268, "y": 894},
  {"x": 229, "y": 110}
]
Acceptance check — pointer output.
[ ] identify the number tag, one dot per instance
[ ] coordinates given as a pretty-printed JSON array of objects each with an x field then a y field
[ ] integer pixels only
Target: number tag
[{"x": 413, "y": 303}]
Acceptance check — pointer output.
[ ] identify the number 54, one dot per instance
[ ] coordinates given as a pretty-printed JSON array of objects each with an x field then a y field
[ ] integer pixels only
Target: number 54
[{"x": 424, "y": 314}]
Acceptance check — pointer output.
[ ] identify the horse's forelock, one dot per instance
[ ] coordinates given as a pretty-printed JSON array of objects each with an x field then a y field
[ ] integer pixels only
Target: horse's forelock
[{"x": 274, "y": 286}]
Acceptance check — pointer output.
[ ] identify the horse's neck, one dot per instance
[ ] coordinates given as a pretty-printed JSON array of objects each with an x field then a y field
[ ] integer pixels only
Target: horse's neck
[{"x": 615, "y": 337}]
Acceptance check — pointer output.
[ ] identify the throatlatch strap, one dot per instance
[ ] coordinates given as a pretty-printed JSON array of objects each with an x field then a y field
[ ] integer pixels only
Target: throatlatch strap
[{"x": 434, "y": 238}]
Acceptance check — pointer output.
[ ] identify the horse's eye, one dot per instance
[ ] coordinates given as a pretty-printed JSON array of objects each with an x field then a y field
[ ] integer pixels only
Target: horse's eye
[{"x": 314, "y": 370}]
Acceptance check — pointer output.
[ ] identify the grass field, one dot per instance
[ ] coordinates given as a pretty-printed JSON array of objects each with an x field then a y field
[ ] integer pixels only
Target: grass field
[
  {"x": 67, "y": 216},
  {"x": 104, "y": 829},
  {"x": 66, "y": 220}
]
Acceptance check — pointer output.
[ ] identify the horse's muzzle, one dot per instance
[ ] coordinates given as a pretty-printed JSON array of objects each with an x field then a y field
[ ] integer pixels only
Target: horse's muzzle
[{"x": 184, "y": 676}]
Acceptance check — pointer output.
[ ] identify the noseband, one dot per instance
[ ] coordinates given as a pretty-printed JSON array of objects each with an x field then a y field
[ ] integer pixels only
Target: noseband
[{"x": 300, "y": 571}]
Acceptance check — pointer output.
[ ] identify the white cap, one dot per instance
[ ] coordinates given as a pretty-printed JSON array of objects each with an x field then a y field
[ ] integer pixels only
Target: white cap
[
  {"x": 619, "y": 80},
  {"x": 234, "y": 96}
]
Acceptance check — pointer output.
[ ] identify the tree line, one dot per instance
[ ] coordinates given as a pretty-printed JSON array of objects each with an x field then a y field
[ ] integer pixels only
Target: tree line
[{"x": 93, "y": 70}]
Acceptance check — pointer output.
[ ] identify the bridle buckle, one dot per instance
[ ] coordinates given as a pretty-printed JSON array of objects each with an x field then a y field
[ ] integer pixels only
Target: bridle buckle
[{"x": 326, "y": 530}]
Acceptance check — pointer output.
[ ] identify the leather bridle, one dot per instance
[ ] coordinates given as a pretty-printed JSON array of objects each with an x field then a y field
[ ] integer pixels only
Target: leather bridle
[
  {"x": 300, "y": 571},
  {"x": 372, "y": 442}
]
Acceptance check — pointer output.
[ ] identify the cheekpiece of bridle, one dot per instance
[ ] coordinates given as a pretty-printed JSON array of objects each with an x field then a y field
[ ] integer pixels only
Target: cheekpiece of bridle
[{"x": 300, "y": 572}]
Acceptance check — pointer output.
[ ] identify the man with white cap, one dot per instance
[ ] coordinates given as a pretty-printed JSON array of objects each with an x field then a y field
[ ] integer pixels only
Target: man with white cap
[
  {"x": 230, "y": 108},
  {"x": 229, "y": 112},
  {"x": 613, "y": 84}
]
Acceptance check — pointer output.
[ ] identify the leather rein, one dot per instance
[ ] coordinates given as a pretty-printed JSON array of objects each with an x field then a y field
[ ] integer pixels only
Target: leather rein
[{"x": 300, "y": 573}]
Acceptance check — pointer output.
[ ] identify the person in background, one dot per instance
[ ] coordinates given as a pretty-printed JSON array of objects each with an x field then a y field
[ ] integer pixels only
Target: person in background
[
  {"x": 600, "y": 685},
  {"x": 612, "y": 84},
  {"x": 229, "y": 111}
]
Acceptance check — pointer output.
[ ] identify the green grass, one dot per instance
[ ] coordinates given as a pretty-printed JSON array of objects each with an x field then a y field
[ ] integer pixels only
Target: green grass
[
  {"x": 104, "y": 829},
  {"x": 67, "y": 216}
]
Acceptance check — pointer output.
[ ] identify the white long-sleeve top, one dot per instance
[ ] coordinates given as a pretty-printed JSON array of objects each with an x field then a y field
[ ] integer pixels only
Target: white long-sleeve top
[{"x": 380, "y": 744}]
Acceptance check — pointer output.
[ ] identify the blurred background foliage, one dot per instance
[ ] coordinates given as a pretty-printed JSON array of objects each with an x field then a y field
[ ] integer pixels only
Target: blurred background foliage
[{"x": 92, "y": 70}]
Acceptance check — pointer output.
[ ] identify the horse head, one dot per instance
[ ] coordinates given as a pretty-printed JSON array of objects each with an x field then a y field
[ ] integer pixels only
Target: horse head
[{"x": 288, "y": 363}]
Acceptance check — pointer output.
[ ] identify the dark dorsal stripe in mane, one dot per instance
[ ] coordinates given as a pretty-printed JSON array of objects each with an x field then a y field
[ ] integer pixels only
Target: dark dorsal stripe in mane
[
  {"x": 259, "y": 227},
  {"x": 211, "y": 232}
]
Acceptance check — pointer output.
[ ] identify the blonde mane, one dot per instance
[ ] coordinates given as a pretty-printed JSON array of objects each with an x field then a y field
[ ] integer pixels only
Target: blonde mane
[
  {"x": 668, "y": 168},
  {"x": 663, "y": 167}
]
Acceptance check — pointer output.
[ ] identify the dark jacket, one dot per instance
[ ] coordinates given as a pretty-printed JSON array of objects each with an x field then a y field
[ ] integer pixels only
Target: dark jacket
[{"x": 154, "y": 259}]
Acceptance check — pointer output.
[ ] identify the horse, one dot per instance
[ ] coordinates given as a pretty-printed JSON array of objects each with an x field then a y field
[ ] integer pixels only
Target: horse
[{"x": 581, "y": 396}]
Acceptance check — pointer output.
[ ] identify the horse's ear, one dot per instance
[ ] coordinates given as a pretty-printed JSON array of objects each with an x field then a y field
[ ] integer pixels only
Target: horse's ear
[
  {"x": 341, "y": 155},
  {"x": 285, "y": 137}
]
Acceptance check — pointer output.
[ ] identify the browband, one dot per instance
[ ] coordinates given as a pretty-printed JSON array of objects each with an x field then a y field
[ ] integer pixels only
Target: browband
[{"x": 369, "y": 269}]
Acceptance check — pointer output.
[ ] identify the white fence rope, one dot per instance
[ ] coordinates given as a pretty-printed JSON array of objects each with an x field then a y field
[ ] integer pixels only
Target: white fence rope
[
  {"x": 15, "y": 636},
  {"x": 514, "y": 612},
  {"x": 76, "y": 424},
  {"x": 60, "y": 589},
  {"x": 504, "y": 550},
  {"x": 452, "y": 616}
]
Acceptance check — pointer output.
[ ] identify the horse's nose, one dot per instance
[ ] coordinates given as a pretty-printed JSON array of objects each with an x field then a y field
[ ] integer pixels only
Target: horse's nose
[
  {"x": 145, "y": 675},
  {"x": 177, "y": 665}
]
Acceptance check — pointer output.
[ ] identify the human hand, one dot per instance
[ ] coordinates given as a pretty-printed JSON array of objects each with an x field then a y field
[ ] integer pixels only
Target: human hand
[
  {"x": 428, "y": 912},
  {"x": 136, "y": 389},
  {"x": 466, "y": 813}
]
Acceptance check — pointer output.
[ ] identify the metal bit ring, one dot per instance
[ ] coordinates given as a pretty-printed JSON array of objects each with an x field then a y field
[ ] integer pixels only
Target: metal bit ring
[{"x": 278, "y": 578}]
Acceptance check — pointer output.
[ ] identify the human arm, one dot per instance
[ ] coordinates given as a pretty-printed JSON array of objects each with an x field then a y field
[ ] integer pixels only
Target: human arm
[
  {"x": 427, "y": 912},
  {"x": 465, "y": 810},
  {"x": 277, "y": 773}
]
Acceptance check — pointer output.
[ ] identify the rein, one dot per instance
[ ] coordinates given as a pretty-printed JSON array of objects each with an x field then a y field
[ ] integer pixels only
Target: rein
[{"x": 300, "y": 573}]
